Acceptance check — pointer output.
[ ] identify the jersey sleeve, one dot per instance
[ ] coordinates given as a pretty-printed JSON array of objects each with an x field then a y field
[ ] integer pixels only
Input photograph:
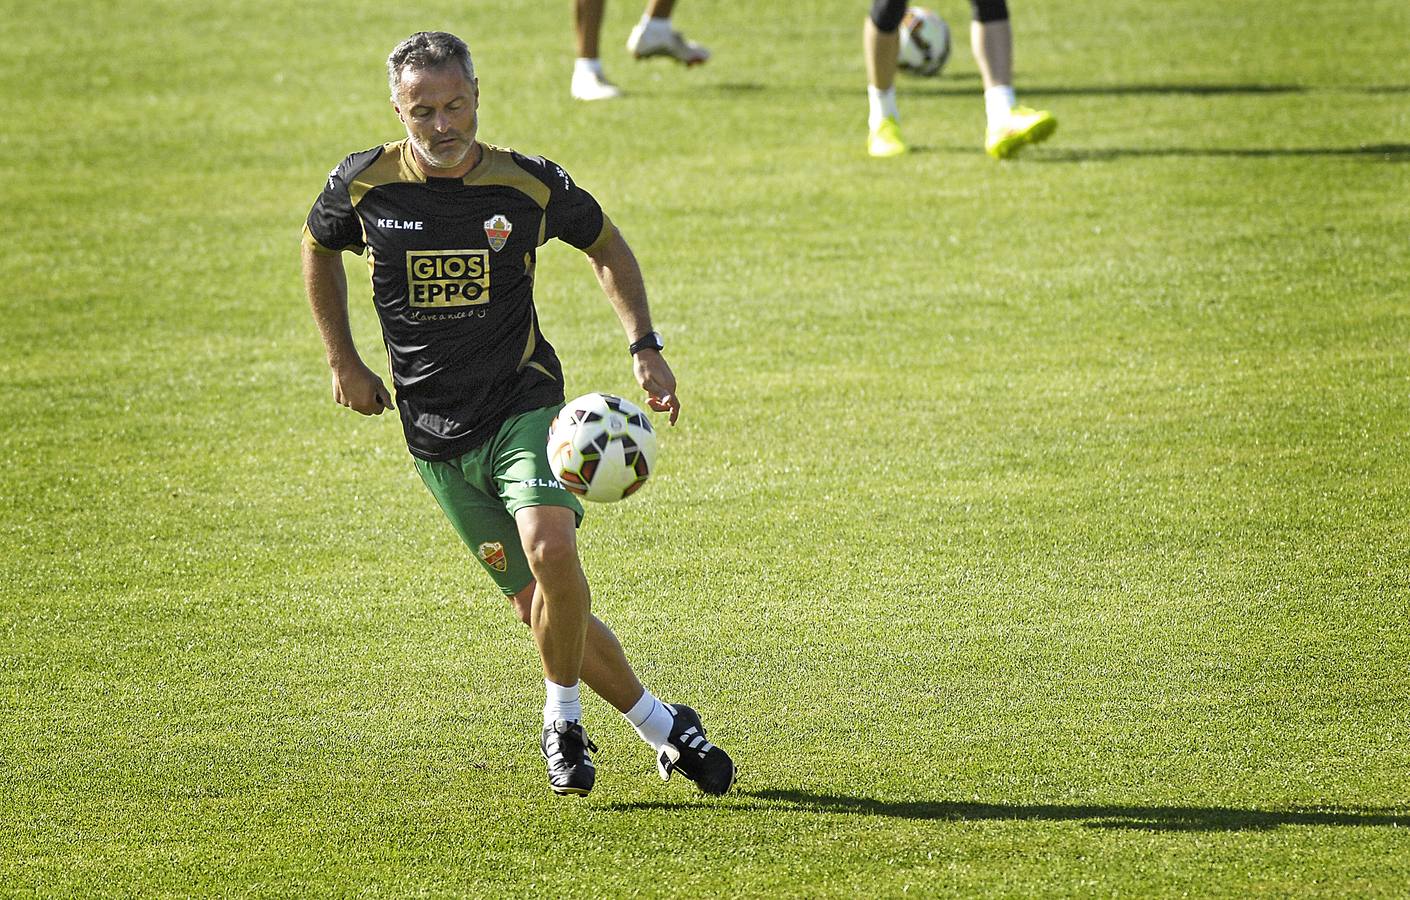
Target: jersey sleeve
[
  {"x": 332, "y": 225},
  {"x": 573, "y": 215}
]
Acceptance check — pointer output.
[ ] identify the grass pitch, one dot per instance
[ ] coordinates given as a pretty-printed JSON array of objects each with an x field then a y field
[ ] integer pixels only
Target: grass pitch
[{"x": 1035, "y": 528}]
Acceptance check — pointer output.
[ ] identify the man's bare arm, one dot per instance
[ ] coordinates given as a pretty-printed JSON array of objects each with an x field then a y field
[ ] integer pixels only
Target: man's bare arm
[
  {"x": 354, "y": 384},
  {"x": 620, "y": 276}
]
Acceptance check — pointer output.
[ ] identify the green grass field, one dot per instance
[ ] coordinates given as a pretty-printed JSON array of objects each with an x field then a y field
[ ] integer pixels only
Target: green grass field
[{"x": 1038, "y": 528}]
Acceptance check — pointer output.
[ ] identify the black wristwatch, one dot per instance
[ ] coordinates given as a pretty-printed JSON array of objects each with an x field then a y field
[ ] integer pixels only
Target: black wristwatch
[{"x": 651, "y": 342}]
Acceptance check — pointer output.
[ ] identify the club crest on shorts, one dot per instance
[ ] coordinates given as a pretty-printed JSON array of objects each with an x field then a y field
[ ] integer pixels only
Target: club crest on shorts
[
  {"x": 497, "y": 229},
  {"x": 492, "y": 552}
]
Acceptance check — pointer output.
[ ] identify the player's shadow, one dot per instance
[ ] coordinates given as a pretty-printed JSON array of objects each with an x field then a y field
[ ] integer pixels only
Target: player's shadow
[
  {"x": 739, "y": 87},
  {"x": 1149, "y": 90},
  {"x": 964, "y": 84},
  {"x": 1138, "y": 818},
  {"x": 1391, "y": 153},
  {"x": 1395, "y": 153}
]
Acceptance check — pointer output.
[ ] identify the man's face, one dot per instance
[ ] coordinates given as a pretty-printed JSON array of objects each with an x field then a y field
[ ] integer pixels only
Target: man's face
[{"x": 438, "y": 108}]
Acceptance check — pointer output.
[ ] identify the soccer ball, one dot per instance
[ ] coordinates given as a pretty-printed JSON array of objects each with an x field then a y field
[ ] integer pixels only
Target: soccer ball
[
  {"x": 601, "y": 447},
  {"x": 925, "y": 41}
]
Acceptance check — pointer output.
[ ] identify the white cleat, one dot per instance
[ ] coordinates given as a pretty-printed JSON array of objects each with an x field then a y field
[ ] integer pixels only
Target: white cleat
[
  {"x": 646, "y": 41},
  {"x": 592, "y": 86}
]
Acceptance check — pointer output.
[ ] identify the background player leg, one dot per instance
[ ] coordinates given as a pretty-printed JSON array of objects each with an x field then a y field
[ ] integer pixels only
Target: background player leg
[
  {"x": 881, "y": 45},
  {"x": 653, "y": 36},
  {"x": 1010, "y": 126},
  {"x": 589, "y": 83}
]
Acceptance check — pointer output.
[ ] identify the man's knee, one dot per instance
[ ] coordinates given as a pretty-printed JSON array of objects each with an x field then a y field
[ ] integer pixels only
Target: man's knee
[
  {"x": 550, "y": 551},
  {"x": 989, "y": 10},
  {"x": 550, "y": 543},
  {"x": 886, "y": 15}
]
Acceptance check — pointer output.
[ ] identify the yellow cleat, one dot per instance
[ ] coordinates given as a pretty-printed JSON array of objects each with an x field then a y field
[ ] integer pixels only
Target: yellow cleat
[
  {"x": 886, "y": 140},
  {"x": 1023, "y": 126}
]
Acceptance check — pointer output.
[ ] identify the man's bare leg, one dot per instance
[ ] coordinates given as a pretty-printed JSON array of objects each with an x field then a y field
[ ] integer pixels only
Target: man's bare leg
[
  {"x": 575, "y": 644},
  {"x": 604, "y": 668},
  {"x": 558, "y": 615},
  {"x": 589, "y": 82}
]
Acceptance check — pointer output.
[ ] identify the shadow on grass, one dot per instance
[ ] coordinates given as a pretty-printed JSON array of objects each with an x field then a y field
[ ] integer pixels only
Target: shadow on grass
[
  {"x": 968, "y": 85},
  {"x": 1138, "y": 818},
  {"x": 1049, "y": 154},
  {"x": 1146, "y": 90},
  {"x": 1379, "y": 152}
]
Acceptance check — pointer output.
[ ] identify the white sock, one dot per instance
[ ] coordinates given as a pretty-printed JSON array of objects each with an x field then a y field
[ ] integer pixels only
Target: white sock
[
  {"x": 882, "y": 106},
  {"x": 562, "y": 703},
  {"x": 998, "y": 100},
  {"x": 651, "y": 719},
  {"x": 656, "y": 27},
  {"x": 583, "y": 65}
]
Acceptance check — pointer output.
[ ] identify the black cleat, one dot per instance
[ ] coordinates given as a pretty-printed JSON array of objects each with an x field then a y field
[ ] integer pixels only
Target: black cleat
[
  {"x": 565, "y": 746},
  {"x": 688, "y": 752}
]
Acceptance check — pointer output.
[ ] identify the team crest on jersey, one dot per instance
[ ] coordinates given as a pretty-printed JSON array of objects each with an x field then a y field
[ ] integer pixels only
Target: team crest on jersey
[
  {"x": 497, "y": 229},
  {"x": 492, "y": 552}
]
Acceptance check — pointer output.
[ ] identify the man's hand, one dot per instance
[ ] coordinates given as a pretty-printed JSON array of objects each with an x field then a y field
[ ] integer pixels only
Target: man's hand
[
  {"x": 659, "y": 382},
  {"x": 358, "y": 387}
]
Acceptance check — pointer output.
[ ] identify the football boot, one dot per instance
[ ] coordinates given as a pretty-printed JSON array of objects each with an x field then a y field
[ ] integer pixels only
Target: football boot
[
  {"x": 565, "y": 747},
  {"x": 688, "y": 752},
  {"x": 592, "y": 86},
  {"x": 885, "y": 140},
  {"x": 1022, "y": 127},
  {"x": 646, "y": 41}
]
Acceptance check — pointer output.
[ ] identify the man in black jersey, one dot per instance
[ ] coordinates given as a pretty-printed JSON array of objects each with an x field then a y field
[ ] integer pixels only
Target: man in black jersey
[{"x": 450, "y": 227}]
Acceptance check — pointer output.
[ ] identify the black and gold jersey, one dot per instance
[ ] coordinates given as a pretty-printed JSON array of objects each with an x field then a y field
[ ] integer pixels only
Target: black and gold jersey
[{"x": 452, "y": 263}]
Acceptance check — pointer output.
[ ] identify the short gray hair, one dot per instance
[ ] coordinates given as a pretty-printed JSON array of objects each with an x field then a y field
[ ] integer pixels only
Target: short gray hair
[{"x": 428, "y": 50}]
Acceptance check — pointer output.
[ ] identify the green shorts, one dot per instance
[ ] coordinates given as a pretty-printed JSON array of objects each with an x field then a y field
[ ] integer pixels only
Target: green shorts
[{"x": 481, "y": 491}]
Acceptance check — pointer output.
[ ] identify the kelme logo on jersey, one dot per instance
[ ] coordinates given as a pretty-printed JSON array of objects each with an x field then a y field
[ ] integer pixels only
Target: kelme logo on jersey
[
  {"x": 440, "y": 279},
  {"x": 493, "y": 555},
  {"x": 497, "y": 229}
]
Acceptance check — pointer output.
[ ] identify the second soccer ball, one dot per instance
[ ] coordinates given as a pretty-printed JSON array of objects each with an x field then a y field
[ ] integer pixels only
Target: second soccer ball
[{"x": 925, "y": 41}]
